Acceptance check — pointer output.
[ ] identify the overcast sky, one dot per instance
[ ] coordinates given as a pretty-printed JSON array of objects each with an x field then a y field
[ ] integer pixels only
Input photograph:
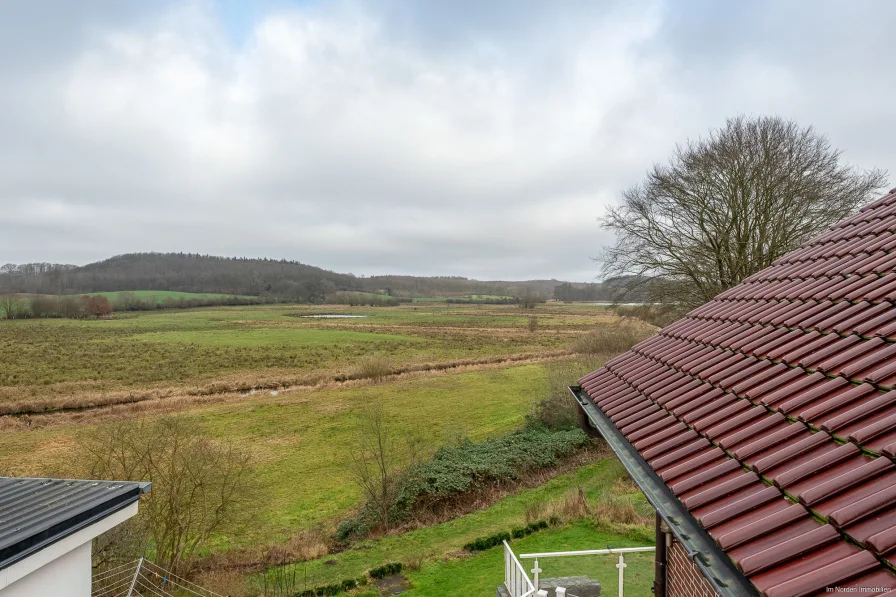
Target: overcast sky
[{"x": 463, "y": 137}]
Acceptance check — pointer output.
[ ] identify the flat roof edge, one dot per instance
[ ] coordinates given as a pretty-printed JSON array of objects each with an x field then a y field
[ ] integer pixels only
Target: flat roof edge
[
  {"x": 714, "y": 563},
  {"x": 69, "y": 526}
]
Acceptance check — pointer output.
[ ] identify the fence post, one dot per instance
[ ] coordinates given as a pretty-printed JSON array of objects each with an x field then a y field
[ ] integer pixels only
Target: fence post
[
  {"x": 621, "y": 565},
  {"x": 134, "y": 580},
  {"x": 536, "y": 571}
]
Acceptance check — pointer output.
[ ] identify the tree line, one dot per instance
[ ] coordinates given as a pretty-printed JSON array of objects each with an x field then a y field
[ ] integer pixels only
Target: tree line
[
  {"x": 71, "y": 307},
  {"x": 85, "y": 306},
  {"x": 268, "y": 279}
]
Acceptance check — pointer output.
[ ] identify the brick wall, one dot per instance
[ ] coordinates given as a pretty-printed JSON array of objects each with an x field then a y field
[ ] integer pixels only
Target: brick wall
[{"x": 683, "y": 578}]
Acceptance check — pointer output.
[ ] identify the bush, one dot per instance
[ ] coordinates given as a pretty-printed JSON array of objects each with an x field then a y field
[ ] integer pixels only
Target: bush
[
  {"x": 386, "y": 570},
  {"x": 611, "y": 339},
  {"x": 557, "y": 409},
  {"x": 348, "y": 584},
  {"x": 484, "y": 543},
  {"x": 658, "y": 315},
  {"x": 371, "y": 367},
  {"x": 532, "y": 323}
]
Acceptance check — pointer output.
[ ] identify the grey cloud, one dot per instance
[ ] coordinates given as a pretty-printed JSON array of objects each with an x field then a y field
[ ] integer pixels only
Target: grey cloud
[{"x": 448, "y": 138}]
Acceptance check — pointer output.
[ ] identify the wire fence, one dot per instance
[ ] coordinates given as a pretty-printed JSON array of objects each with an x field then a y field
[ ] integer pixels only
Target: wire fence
[{"x": 142, "y": 578}]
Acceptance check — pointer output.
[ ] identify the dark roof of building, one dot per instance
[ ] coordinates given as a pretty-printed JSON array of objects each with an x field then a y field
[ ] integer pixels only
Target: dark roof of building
[
  {"x": 770, "y": 414},
  {"x": 35, "y": 513}
]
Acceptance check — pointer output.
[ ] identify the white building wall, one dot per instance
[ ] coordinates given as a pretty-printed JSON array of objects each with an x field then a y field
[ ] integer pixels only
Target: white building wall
[
  {"x": 68, "y": 575},
  {"x": 62, "y": 569}
]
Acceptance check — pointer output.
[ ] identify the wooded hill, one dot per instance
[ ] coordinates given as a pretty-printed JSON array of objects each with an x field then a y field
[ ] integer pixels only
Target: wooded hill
[{"x": 277, "y": 279}]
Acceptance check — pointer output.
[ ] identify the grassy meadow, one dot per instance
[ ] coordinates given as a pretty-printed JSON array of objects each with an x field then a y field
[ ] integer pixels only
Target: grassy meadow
[
  {"x": 51, "y": 364},
  {"x": 288, "y": 388}
]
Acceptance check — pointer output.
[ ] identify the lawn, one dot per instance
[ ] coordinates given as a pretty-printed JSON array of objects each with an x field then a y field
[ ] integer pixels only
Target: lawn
[{"x": 480, "y": 574}]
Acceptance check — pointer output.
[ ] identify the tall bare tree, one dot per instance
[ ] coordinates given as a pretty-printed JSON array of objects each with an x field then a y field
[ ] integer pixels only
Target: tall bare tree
[
  {"x": 378, "y": 457},
  {"x": 727, "y": 206}
]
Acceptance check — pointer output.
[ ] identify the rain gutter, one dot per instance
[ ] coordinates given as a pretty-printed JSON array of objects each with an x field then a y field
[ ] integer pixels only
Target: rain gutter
[{"x": 714, "y": 563}]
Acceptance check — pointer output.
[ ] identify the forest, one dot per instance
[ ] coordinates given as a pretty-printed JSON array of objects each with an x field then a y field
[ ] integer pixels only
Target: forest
[{"x": 284, "y": 280}]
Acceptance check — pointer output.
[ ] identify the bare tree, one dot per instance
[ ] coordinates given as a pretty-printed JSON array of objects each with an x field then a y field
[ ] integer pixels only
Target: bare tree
[
  {"x": 200, "y": 487},
  {"x": 729, "y": 205},
  {"x": 378, "y": 457}
]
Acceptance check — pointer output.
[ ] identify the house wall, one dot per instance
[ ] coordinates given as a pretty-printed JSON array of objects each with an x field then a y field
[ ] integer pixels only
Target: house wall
[
  {"x": 61, "y": 567},
  {"x": 683, "y": 578},
  {"x": 68, "y": 575}
]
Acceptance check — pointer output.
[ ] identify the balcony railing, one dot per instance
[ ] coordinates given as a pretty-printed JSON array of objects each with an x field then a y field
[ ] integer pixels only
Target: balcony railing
[{"x": 517, "y": 581}]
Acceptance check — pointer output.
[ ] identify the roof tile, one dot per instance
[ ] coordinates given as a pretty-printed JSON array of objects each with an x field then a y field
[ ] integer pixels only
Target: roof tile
[{"x": 769, "y": 379}]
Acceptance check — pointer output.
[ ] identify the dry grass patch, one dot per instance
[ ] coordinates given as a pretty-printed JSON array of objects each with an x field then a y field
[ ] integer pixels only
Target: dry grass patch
[{"x": 613, "y": 338}]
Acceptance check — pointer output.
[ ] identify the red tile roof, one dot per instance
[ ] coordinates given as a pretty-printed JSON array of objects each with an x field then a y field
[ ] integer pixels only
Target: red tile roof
[{"x": 770, "y": 412}]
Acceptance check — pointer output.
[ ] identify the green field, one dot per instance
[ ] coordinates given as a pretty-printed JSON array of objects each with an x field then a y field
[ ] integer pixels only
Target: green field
[
  {"x": 51, "y": 362},
  {"x": 283, "y": 387}
]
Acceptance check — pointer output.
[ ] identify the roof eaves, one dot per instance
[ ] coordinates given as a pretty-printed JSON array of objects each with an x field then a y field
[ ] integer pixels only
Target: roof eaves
[
  {"x": 68, "y": 525},
  {"x": 715, "y": 565}
]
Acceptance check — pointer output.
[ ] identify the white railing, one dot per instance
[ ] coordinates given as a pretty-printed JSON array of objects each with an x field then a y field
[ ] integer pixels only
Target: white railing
[
  {"x": 515, "y": 578},
  {"x": 509, "y": 556}
]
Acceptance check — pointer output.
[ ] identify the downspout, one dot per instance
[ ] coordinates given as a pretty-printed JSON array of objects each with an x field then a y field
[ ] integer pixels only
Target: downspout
[
  {"x": 659, "y": 573},
  {"x": 585, "y": 423}
]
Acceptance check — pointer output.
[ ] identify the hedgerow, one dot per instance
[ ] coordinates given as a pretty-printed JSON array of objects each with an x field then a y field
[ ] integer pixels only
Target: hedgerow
[
  {"x": 386, "y": 570},
  {"x": 483, "y": 543}
]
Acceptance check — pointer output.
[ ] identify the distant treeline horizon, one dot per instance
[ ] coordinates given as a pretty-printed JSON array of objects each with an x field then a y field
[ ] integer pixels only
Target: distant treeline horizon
[{"x": 270, "y": 279}]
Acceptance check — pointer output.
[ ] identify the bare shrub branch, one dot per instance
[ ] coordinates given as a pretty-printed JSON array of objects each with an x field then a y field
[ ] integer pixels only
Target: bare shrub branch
[{"x": 200, "y": 487}]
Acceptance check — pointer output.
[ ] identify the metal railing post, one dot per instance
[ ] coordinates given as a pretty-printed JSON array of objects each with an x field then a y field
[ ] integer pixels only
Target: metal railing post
[
  {"x": 621, "y": 565},
  {"x": 536, "y": 571},
  {"x": 134, "y": 580}
]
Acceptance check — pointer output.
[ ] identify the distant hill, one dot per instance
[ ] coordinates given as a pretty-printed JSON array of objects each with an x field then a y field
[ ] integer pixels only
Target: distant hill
[{"x": 282, "y": 279}]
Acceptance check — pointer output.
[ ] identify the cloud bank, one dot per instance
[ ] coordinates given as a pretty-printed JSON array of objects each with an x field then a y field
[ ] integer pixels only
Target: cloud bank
[{"x": 456, "y": 138}]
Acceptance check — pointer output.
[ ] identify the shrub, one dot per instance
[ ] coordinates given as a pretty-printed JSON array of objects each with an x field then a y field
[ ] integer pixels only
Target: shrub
[
  {"x": 483, "y": 543},
  {"x": 532, "y": 323},
  {"x": 557, "y": 408},
  {"x": 386, "y": 570},
  {"x": 371, "y": 367},
  {"x": 658, "y": 315},
  {"x": 611, "y": 339},
  {"x": 348, "y": 584}
]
